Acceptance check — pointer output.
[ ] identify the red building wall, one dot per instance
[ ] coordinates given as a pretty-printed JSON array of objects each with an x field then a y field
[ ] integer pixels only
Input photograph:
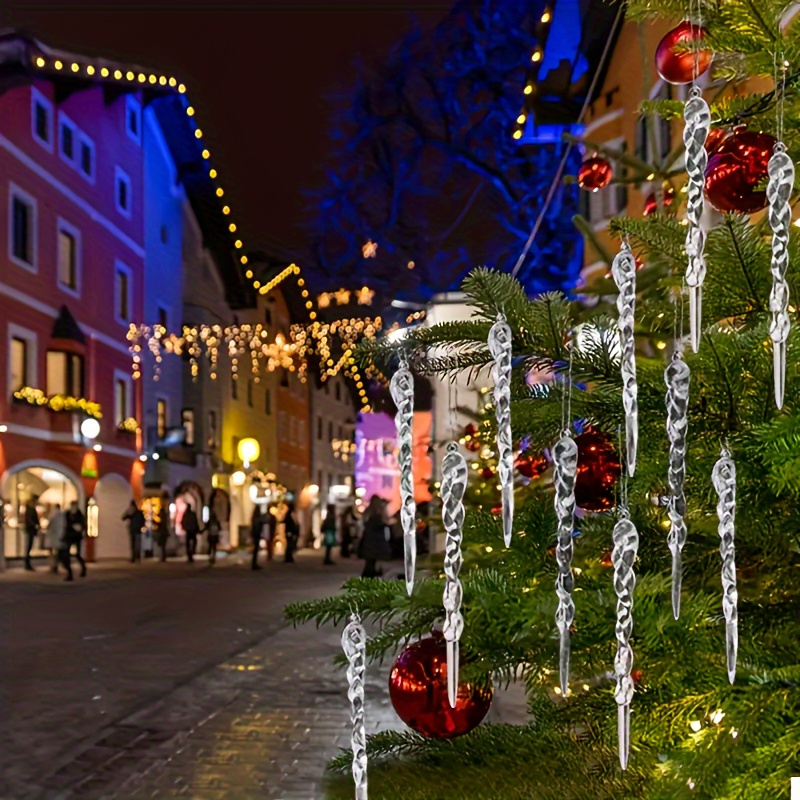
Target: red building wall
[{"x": 31, "y": 300}]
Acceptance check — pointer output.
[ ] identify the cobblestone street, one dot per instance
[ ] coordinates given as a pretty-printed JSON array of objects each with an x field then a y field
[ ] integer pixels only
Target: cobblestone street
[{"x": 168, "y": 680}]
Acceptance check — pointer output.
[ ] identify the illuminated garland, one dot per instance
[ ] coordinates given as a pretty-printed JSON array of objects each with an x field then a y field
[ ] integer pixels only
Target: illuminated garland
[
  {"x": 58, "y": 402},
  {"x": 530, "y": 87}
]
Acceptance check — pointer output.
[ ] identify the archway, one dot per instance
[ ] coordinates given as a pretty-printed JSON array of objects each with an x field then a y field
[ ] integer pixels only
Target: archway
[
  {"x": 112, "y": 494},
  {"x": 49, "y": 484}
]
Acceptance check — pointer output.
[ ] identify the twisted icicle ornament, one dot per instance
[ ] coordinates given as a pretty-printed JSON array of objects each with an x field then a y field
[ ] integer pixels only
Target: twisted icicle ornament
[
  {"x": 779, "y": 193},
  {"x": 724, "y": 478},
  {"x": 565, "y": 459},
  {"x": 697, "y": 120},
  {"x": 676, "y": 376},
  {"x": 454, "y": 483},
  {"x": 402, "y": 390},
  {"x": 500, "y": 348},
  {"x": 626, "y": 545},
  {"x": 354, "y": 644},
  {"x": 624, "y": 271}
]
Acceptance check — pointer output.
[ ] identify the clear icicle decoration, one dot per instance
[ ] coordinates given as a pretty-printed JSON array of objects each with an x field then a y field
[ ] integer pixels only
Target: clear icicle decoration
[
  {"x": 724, "y": 478},
  {"x": 676, "y": 376},
  {"x": 779, "y": 193},
  {"x": 697, "y": 120},
  {"x": 623, "y": 270},
  {"x": 354, "y": 644},
  {"x": 626, "y": 545},
  {"x": 454, "y": 483},
  {"x": 402, "y": 390},
  {"x": 500, "y": 348},
  {"x": 565, "y": 459}
]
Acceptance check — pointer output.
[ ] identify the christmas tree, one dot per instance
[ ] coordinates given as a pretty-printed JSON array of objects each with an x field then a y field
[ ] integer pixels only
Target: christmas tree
[{"x": 694, "y": 734}]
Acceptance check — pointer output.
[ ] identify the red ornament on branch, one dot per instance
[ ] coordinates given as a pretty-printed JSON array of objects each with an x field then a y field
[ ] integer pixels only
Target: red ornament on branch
[
  {"x": 595, "y": 173},
  {"x": 418, "y": 691},
  {"x": 736, "y": 175},
  {"x": 675, "y": 63},
  {"x": 487, "y": 473},
  {"x": 715, "y": 138},
  {"x": 651, "y": 201},
  {"x": 530, "y": 465},
  {"x": 598, "y": 472},
  {"x": 470, "y": 436}
]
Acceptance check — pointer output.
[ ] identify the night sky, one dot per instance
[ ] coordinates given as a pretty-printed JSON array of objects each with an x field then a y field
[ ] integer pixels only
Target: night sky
[{"x": 258, "y": 73}]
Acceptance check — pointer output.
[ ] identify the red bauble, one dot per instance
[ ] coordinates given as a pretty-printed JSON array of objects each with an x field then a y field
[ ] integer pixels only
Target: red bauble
[
  {"x": 471, "y": 436},
  {"x": 487, "y": 473},
  {"x": 651, "y": 202},
  {"x": 674, "y": 62},
  {"x": 598, "y": 472},
  {"x": 530, "y": 465},
  {"x": 418, "y": 691},
  {"x": 736, "y": 174},
  {"x": 473, "y": 445},
  {"x": 470, "y": 430},
  {"x": 595, "y": 173},
  {"x": 715, "y": 138},
  {"x": 497, "y": 510}
]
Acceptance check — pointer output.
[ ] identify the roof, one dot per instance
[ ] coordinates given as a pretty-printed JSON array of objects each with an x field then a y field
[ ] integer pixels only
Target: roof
[{"x": 24, "y": 59}]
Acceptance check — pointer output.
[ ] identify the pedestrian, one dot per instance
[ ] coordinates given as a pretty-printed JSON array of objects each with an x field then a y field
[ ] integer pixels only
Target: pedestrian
[
  {"x": 32, "y": 526},
  {"x": 374, "y": 545},
  {"x": 348, "y": 525},
  {"x": 291, "y": 531},
  {"x": 73, "y": 537},
  {"x": 270, "y": 530},
  {"x": 213, "y": 528},
  {"x": 135, "y": 518},
  {"x": 329, "y": 534},
  {"x": 256, "y": 530},
  {"x": 56, "y": 528},
  {"x": 162, "y": 532},
  {"x": 191, "y": 527}
]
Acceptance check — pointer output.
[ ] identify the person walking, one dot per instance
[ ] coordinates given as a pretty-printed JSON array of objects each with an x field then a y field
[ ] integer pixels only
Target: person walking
[
  {"x": 256, "y": 531},
  {"x": 348, "y": 524},
  {"x": 213, "y": 529},
  {"x": 162, "y": 532},
  {"x": 135, "y": 518},
  {"x": 270, "y": 529},
  {"x": 32, "y": 525},
  {"x": 329, "y": 533},
  {"x": 56, "y": 528},
  {"x": 374, "y": 545},
  {"x": 292, "y": 532},
  {"x": 191, "y": 527},
  {"x": 73, "y": 536}
]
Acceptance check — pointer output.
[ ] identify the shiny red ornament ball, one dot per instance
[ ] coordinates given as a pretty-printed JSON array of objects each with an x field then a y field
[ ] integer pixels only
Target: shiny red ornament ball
[
  {"x": 651, "y": 202},
  {"x": 471, "y": 435},
  {"x": 470, "y": 430},
  {"x": 497, "y": 510},
  {"x": 715, "y": 138},
  {"x": 530, "y": 465},
  {"x": 736, "y": 175},
  {"x": 598, "y": 472},
  {"x": 418, "y": 691},
  {"x": 595, "y": 173},
  {"x": 674, "y": 62},
  {"x": 487, "y": 473}
]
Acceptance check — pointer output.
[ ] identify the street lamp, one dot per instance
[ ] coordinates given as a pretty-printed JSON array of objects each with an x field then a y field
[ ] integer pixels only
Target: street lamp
[
  {"x": 249, "y": 450},
  {"x": 90, "y": 428}
]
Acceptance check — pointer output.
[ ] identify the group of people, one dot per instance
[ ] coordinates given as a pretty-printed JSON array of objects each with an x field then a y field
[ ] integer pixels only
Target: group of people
[
  {"x": 64, "y": 536},
  {"x": 263, "y": 527}
]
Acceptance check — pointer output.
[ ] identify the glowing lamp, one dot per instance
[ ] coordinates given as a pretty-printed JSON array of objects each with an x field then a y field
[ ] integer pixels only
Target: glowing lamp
[
  {"x": 90, "y": 428},
  {"x": 249, "y": 450},
  {"x": 238, "y": 478}
]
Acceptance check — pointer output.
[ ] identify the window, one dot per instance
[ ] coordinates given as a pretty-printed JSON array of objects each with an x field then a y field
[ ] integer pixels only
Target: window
[
  {"x": 68, "y": 257},
  {"x": 284, "y": 377},
  {"x": 67, "y": 139},
  {"x": 19, "y": 363},
  {"x": 42, "y": 119},
  {"x": 330, "y": 431},
  {"x": 250, "y": 392},
  {"x": 163, "y": 317},
  {"x": 133, "y": 118},
  {"x": 338, "y": 391},
  {"x": 22, "y": 225},
  {"x": 211, "y": 439},
  {"x": 161, "y": 417},
  {"x": 122, "y": 398},
  {"x": 187, "y": 421},
  {"x": 122, "y": 192},
  {"x": 86, "y": 162},
  {"x": 301, "y": 433},
  {"x": 267, "y": 401},
  {"x": 234, "y": 387},
  {"x": 319, "y": 428},
  {"x": 267, "y": 317},
  {"x": 64, "y": 373},
  {"x": 122, "y": 293}
]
